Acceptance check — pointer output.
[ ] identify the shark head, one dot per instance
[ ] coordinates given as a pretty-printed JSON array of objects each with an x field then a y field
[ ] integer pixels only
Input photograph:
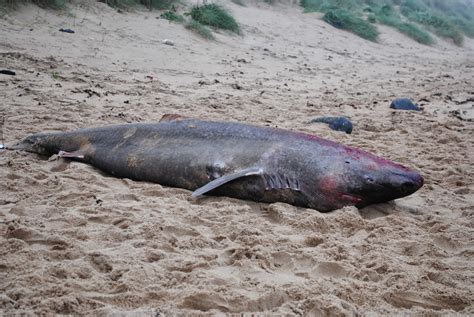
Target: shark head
[
  {"x": 359, "y": 178},
  {"x": 370, "y": 179}
]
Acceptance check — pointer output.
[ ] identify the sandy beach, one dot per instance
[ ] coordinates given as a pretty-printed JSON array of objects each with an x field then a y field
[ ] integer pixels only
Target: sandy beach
[{"x": 74, "y": 240}]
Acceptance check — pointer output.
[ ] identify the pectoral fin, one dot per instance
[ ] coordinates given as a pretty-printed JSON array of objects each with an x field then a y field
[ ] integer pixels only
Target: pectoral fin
[{"x": 225, "y": 179}]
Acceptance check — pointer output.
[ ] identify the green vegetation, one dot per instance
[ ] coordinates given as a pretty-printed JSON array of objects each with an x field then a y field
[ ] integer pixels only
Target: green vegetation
[
  {"x": 158, "y": 4},
  {"x": 200, "y": 29},
  {"x": 61, "y": 4},
  {"x": 151, "y": 4},
  {"x": 466, "y": 26},
  {"x": 239, "y": 2},
  {"x": 439, "y": 23},
  {"x": 214, "y": 15},
  {"x": 346, "y": 20},
  {"x": 415, "y": 33},
  {"x": 446, "y": 18},
  {"x": 119, "y": 3},
  {"x": 172, "y": 16},
  {"x": 388, "y": 16},
  {"x": 460, "y": 13},
  {"x": 327, "y": 5},
  {"x": 6, "y": 5},
  {"x": 451, "y": 19}
]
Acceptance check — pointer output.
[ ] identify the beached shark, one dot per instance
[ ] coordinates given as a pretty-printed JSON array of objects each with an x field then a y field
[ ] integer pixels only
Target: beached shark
[{"x": 234, "y": 159}]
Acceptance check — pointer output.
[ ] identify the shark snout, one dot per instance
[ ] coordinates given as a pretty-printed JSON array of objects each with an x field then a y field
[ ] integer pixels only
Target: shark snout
[
  {"x": 408, "y": 182},
  {"x": 22, "y": 146}
]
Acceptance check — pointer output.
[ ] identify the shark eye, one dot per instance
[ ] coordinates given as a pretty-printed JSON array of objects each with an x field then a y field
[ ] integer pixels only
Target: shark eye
[{"x": 369, "y": 180}]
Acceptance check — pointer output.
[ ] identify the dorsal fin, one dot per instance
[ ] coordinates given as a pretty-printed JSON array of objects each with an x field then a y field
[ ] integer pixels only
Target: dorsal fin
[
  {"x": 227, "y": 178},
  {"x": 172, "y": 117}
]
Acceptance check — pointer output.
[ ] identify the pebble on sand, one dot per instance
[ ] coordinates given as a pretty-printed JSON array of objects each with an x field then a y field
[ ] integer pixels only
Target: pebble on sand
[
  {"x": 404, "y": 104},
  {"x": 336, "y": 123}
]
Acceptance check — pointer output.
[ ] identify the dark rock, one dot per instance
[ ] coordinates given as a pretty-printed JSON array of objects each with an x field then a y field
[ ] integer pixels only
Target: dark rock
[
  {"x": 7, "y": 72},
  {"x": 336, "y": 123},
  {"x": 66, "y": 30},
  {"x": 404, "y": 104}
]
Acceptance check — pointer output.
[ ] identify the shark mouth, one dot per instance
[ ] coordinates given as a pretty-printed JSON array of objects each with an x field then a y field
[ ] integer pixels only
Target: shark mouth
[{"x": 351, "y": 199}]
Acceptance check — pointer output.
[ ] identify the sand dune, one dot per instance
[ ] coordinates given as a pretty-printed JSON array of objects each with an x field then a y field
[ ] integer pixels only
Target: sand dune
[{"x": 76, "y": 241}]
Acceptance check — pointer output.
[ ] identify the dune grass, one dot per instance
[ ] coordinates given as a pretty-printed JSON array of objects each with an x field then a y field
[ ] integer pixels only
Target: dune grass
[
  {"x": 6, "y": 5},
  {"x": 151, "y": 4},
  {"x": 172, "y": 16},
  {"x": 413, "y": 31},
  {"x": 239, "y": 2},
  {"x": 446, "y": 18},
  {"x": 467, "y": 26},
  {"x": 343, "y": 14},
  {"x": 199, "y": 29},
  {"x": 439, "y": 23},
  {"x": 158, "y": 4},
  {"x": 327, "y": 5},
  {"x": 346, "y": 20},
  {"x": 120, "y": 3},
  {"x": 388, "y": 16},
  {"x": 460, "y": 13},
  {"x": 214, "y": 15}
]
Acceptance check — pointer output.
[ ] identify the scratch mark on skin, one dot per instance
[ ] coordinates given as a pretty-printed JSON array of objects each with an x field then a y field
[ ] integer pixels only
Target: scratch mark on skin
[{"x": 130, "y": 132}]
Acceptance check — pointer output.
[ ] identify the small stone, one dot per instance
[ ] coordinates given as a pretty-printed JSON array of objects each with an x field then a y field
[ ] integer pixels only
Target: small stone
[
  {"x": 404, "y": 104},
  {"x": 336, "y": 123}
]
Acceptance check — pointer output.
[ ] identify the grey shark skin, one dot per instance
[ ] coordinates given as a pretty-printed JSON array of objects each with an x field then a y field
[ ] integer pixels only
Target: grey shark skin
[{"x": 236, "y": 160}]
